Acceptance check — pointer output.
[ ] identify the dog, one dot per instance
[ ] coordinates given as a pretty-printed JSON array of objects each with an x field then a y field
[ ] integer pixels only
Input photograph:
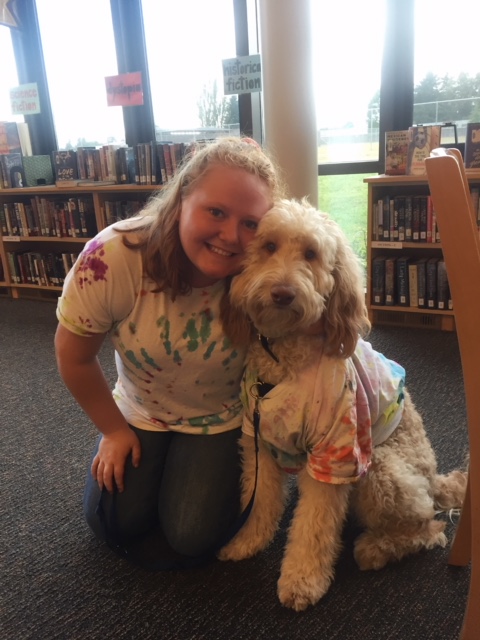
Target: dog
[{"x": 336, "y": 413}]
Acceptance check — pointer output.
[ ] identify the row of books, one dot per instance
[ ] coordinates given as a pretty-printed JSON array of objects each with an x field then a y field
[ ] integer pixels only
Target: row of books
[
  {"x": 114, "y": 210},
  {"x": 405, "y": 219},
  {"x": 411, "y": 218},
  {"x": 49, "y": 217},
  {"x": 144, "y": 164},
  {"x": 36, "y": 268},
  {"x": 406, "y": 150},
  {"x": 409, "y": 282}
]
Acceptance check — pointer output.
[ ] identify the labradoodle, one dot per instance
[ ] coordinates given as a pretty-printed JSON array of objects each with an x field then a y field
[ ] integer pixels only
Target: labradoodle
[{"x": 335, "y": 412}]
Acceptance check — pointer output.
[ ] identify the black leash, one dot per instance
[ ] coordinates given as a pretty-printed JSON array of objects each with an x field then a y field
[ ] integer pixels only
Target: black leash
[{"x": 265, "y": 342}]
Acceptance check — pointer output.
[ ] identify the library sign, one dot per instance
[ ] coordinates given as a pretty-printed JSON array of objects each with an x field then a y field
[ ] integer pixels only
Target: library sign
[
  {"x": 24, "y": 100},
  {"x": 242, "y": 75},
  {"x": 124, "y": 90}
]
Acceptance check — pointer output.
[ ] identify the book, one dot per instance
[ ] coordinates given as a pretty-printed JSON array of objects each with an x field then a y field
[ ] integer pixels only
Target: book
[
  {"x": 472, "y": 146},
  {"x": 422, "y": 282},
  {"x": 422, "y": 140},
  {"x": 24, "y": 137},
  {"x": 443, "y": 290},
  {"x": 413, "y": 284},
  {"x": 416, "y": 218},
  {"x": 396, "y": 152},
  {"x": 423, "y": 227},
  {"x": 408, "y": 218},
  {"x": 386, "y": 218},
  {"x": 9, "y": 138},
  {"x": 400, "y": 217},
  {"x": 378, "y": 280},
  {"x": 65, "y": 165},
  {"x": 431, "y": 284},
  {"x": 390, "y": 281},
  {"x": 403, "y": 297},
  {"x": 12, "y": 170}
]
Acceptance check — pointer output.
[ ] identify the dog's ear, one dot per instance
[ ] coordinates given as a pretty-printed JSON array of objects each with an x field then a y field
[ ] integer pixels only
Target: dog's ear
[
  {"x": 346, "y": 314},
  {"x": 236, "y": 324}
]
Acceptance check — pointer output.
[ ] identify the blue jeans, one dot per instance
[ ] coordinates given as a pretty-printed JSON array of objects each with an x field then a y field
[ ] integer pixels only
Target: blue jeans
[{"x": 179, "y": 503}]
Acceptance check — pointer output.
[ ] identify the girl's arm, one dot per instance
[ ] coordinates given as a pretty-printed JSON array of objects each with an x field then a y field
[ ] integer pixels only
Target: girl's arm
[{"x": 82, "y": 374}]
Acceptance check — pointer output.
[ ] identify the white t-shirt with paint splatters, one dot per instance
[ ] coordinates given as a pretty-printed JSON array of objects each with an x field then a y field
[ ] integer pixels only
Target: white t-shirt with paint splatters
[{"x": 176, "y": 369}]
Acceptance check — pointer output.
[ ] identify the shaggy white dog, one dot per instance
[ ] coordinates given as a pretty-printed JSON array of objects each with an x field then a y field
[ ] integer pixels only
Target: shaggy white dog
[{"x": 338, "y": 415}]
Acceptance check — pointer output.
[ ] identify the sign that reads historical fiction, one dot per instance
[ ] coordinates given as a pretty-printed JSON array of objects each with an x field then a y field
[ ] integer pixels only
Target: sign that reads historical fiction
[
  {"x": 124, "y": 90},
  {"x": 242, "y": 75}
]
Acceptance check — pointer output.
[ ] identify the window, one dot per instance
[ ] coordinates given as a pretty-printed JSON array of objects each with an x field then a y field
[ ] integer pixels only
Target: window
[
  {"x": 348, "y": 43},
  {"x": 447, "y": 67},
  {"x": 9, "y": 75},
  {"x": 79, "y": 51},
  {"x": 186, "y": 43}
]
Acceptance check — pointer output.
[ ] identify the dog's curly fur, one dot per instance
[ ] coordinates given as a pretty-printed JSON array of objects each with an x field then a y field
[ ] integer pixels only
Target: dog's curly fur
[{"x": 302, "y": 288}]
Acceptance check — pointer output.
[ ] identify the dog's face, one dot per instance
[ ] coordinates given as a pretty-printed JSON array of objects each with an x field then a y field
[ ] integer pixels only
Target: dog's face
[{"x": 288, "y": 274}]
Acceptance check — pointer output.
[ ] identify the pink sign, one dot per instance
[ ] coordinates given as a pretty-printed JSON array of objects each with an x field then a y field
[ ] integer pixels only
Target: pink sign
[{"x": 124, "y": 90}]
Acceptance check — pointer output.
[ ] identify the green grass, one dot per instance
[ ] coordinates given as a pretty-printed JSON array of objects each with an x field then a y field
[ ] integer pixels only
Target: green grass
[{"x": 344, "y": 198}]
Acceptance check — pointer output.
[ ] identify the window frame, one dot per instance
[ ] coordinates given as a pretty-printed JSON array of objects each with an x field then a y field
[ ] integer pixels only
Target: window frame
[{"x": 396, "y": 90}]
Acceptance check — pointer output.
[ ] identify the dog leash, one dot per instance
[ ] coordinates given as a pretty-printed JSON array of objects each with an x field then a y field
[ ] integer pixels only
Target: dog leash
[{"x": 265, "y": 342}]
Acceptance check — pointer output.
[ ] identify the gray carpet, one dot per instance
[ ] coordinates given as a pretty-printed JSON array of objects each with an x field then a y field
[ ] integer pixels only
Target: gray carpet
[{"x": 57, "y": 581}]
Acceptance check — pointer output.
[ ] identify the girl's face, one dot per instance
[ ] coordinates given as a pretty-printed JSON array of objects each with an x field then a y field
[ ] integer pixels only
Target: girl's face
[{"x": 218, "y": 220}]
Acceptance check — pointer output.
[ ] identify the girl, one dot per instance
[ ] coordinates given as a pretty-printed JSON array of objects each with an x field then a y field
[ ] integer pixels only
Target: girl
[{"x": 166, "y": 465}]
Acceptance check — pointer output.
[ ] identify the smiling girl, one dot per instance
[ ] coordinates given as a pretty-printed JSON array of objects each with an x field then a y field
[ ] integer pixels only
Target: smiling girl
[{"x": 166, "y": 466}]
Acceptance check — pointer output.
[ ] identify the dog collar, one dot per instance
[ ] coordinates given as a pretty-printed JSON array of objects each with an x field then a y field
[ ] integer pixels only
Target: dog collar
[{"x": 264, "y": 341}]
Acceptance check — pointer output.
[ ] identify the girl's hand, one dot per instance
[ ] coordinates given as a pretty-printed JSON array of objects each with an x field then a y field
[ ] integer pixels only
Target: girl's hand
[{"x": 108, "y": 466}]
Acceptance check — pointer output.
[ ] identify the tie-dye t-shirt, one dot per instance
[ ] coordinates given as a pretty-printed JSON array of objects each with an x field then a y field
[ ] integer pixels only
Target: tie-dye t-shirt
[
  {"x": 176, "y": 369},
  {"x": 330, "y": 417}
]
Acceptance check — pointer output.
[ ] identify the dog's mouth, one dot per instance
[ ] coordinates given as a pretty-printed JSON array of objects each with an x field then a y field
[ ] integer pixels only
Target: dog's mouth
[{"x": 275, "y": 320}]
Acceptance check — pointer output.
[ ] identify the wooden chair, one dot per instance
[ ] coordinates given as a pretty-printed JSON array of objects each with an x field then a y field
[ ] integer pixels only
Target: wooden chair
[{"x": 460, "y": 240}]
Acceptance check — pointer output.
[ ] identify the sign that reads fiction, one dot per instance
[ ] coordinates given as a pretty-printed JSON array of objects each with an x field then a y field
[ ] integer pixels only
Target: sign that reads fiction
[
  {"x": 242, "y": 75},
  {"x": 24, "y": 100}
]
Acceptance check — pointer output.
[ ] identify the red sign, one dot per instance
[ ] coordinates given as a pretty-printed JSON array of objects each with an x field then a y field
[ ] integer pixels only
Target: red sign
[{"x": 124, "y": 90}]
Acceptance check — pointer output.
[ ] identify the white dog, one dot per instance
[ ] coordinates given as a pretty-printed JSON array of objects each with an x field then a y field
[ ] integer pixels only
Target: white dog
[{"x": 338, "y": 415}]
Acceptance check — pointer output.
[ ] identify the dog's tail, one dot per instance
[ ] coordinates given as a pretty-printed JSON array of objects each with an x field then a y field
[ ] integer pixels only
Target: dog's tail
[{"x": 449, "y": 490}]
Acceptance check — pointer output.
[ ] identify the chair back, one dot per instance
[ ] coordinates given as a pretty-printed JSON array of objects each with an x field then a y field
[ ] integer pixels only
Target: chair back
[{"x": 460, "y": 240}]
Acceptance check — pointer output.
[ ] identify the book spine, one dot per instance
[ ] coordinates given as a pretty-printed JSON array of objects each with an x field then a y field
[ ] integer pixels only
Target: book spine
[
  {"x": 402, "y": 281},
  {"x": 390, "y": 281},
  {"x": 413, "y": 284},
  {"x": 432, "y": 283},
  {"x": 378, "y": 280},
  {"x": 422, "y": 282}
]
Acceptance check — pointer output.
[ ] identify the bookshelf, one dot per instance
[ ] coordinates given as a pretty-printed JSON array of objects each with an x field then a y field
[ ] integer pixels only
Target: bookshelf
[
  {"x": 32, "y": 266},
  {"x": 436, "y": 313}
]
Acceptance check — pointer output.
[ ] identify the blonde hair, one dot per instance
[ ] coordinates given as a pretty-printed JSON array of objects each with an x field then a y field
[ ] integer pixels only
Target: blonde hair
[{"x": 158, "y": 238}]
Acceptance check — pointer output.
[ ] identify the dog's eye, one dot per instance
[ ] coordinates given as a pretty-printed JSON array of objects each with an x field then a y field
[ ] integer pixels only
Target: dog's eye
[
  {"x": 310, "y": 255},
  {"x": 271, "y": 247}
]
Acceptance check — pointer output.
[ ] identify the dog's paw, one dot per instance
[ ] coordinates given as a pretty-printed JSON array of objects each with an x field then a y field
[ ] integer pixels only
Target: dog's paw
[
  {"x": 299, "y": 592},
  {"x": 239, "y": 549},
  {"x": 375, "y": 551},
  {"x": 372, "y": 553}
]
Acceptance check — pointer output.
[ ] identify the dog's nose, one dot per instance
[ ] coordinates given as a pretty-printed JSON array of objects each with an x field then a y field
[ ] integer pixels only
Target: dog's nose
[{"x": 283, "y": 295}]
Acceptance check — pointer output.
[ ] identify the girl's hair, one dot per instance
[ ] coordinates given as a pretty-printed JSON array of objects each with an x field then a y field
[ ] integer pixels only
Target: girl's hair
[{"x": 157, "y": 234}]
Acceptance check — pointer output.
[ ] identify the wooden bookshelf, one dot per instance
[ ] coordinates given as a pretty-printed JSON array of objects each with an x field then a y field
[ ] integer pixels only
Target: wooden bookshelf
[
  {"x": 432, "y": 317},
  {"x": 104, "y": 201}
]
